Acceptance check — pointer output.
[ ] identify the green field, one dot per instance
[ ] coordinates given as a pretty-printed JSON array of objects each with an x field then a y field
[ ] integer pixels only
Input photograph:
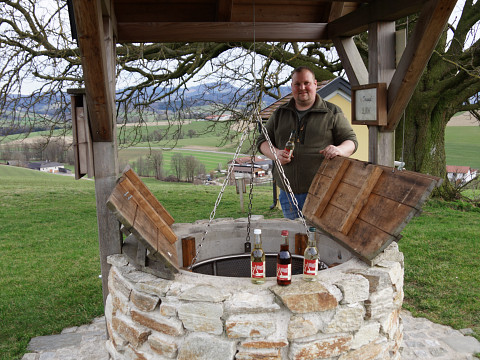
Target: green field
[
  {"x": 462, "y": 146},
  {"x": 211, "y": 160},
  {"x": 462, "y": 143},
  {"x": 49, "y": 260}
]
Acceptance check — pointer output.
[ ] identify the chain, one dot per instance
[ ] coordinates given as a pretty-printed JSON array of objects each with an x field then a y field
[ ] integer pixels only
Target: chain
[
  {"x": 219, "y": 198},
  {"x": 283, "y": 177},
  {"x": 252, "y": 174}
]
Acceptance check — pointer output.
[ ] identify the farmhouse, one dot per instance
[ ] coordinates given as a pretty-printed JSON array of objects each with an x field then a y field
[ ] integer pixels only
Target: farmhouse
[
  {"x": 46, "y": 166},
  {"x": 242, "y": 167},
  {"x": 461, "y": 174}
]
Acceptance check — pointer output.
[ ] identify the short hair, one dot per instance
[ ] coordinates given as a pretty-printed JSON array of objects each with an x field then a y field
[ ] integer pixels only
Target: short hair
[{"x": 299, "y": 69}]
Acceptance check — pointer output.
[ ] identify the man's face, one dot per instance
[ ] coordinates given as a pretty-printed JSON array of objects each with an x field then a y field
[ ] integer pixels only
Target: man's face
[{"x": 304, "y": 88}]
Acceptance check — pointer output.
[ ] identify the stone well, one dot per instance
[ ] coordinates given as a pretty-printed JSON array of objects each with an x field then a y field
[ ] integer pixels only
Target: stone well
[{"x": 351, "y": 312}]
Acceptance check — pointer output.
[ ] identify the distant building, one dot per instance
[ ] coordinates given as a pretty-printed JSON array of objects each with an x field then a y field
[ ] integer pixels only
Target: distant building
[
  {"x": 223, "y": 117},
  {"x": 461, "y": 174},
  {"x": 242, "y": 167},
  {"x": 18, "y": 163},
  {"x": 46, "y": 166}
]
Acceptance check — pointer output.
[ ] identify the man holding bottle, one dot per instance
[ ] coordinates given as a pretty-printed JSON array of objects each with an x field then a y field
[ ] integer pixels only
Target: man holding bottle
[{"x": 320, "y": 129}]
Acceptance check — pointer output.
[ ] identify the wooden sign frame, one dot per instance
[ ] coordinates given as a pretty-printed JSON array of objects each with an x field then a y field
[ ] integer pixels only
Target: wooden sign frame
[{"x": 369, "y": 101}]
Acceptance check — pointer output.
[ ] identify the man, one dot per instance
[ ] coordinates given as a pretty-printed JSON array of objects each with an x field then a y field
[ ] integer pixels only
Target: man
[{"x": 321, "y": 132}]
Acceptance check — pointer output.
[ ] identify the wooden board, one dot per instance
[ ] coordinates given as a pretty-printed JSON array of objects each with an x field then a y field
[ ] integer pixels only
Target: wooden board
[
  {"x": 142, "y": 215},
  {"x": 82, "y": 141},
  {"x": 365, "y": 206}
]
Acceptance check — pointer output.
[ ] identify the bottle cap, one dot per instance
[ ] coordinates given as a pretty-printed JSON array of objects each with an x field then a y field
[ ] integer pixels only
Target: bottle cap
[
  {"x": 284, "y": 232},
  {"x": 312, "y": 229},
  {"x": 257, "y": 231}
]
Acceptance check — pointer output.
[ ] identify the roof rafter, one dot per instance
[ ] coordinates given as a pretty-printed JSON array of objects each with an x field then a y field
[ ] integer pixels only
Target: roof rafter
[
  {"x": 221, "y": 31},
  {"x": 428, "y": 29},
  {"x": 380, "y": 10}
]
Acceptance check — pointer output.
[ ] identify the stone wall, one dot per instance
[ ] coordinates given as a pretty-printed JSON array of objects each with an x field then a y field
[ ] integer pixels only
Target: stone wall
[{"x": 350, "y": 313}]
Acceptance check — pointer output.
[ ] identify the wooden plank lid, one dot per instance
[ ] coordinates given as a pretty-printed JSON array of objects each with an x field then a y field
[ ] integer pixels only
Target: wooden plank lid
[
  {"x": 364, "y": 206},
  {"x": 142, "y": 215}
]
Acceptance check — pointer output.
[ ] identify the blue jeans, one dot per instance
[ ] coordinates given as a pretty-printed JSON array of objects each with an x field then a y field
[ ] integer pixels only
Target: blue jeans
[{"x": 288, "y": 207}]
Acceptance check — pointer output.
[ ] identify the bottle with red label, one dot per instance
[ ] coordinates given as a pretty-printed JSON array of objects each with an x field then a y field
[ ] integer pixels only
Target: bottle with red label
[
  {"x": 257, "y": 259},
  {"x": 290, "y": 145},
  {"x": 284, "y": 262},
  {"x": 310, "y": 257}
]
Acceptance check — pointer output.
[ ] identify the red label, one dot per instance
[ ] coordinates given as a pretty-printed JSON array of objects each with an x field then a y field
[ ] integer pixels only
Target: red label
[
  {"x": 289, "y": 153},
  {"x": 284, "y": 272},
  {"x": 310, "y": 267},
  {"x": 258, "y": 270}
]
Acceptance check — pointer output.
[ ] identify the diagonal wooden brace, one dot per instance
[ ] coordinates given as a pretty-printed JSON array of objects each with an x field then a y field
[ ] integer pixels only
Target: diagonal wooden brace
[{"x": 360, "y": 200}]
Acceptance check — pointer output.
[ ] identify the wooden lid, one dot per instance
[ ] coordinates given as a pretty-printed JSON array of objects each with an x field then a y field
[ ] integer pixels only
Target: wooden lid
[
  {"x": 142, "y": 215},
  {"x": 364, "y": 206}
]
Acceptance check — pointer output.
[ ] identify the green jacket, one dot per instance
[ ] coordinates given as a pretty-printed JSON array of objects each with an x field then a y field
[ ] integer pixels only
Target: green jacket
[{"x": 323, "y": 125}]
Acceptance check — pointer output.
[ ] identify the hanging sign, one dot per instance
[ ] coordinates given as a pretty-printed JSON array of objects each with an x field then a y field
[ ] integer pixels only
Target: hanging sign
[{"x": 369, "y": 104}]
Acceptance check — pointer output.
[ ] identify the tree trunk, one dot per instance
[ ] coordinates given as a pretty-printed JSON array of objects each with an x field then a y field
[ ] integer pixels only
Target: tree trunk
[{"x": 422, "y": 142}]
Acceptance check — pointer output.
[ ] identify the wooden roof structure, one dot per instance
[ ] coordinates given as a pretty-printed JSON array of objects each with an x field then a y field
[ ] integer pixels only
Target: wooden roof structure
[{"x": 100, "y": 24}]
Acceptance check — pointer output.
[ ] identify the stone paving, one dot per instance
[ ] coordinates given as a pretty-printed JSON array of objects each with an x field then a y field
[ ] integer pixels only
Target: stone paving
[{"x": 422, "y": 339}]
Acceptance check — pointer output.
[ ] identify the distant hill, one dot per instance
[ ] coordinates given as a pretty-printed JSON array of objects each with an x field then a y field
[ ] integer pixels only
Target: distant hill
[{"x": 198, "y": 95}]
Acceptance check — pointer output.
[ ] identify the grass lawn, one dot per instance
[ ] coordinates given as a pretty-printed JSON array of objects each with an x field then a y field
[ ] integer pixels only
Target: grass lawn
[
  {"x": 462, "y": 146},
  {"x": 442, "y": 264},
  {"x": 211, "y": 160},
  {"x": 49, "y": 262}
]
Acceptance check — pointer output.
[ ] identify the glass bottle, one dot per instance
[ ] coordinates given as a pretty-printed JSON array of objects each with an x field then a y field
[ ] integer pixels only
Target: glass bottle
[
  {"x": 284, "y": 262},
  {"x": 257, "y": 259},
  {"x": 310, "y": 257},
  {"x": 290, "y": 145}
]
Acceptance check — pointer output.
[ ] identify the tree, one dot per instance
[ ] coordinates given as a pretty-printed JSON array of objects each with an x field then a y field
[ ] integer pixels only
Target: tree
[
  {"x": 37, "y": 47},
  {"x": 154, "y": 78},
  {"x": 157, "y": 160},
  {"x": 190, "y": 165},
  {"x": 191, "y": 133},
  {"x": 177, "y": 165},
  {"x": 450, "y": 84}
]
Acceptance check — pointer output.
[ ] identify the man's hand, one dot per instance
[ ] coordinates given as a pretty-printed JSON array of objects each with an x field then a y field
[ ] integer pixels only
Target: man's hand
[
  {"x": 344, "y": 149},
  {"x": 331, "y": 151},
  {"x": 282, "y": 155}
]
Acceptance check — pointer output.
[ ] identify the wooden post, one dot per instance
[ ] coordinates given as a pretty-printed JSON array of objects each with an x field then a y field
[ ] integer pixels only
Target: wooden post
[
  {"x": 240, "y": 185},
  {"x": 300, "y": 243},
  {"x": 188, "y": 250},
  {"x": 106, "y": 167},
  {"x": 97, "y": 44},
  {"x": 381, "y": 67}
]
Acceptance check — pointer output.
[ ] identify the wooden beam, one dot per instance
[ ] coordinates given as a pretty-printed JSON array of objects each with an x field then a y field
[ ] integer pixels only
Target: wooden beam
[
  {"x": 88, "y": 18},
  {"x": 336, "y": 10},
  {"x": 381, "y": 67},
  {"x": 332, "y": 187},
  {"x": 220, "y": 32},
  {"x": 224, "y": 10},
  {"x": 97, "y": 46},
  {"x": 361, "y": 199},
  {"x": 108, "y": 11},
  {"x": 357, "y": 21},
  {"x": 352, "y": 61},
  {"x": 428, "y": 30}
]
